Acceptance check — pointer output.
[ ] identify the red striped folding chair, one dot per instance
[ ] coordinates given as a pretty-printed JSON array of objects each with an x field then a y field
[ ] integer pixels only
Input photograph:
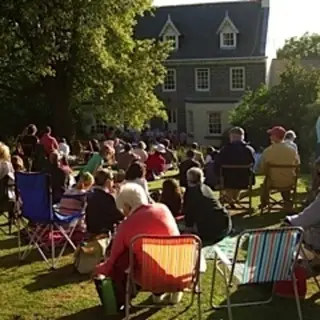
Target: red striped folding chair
[
  {"x": 168, "y": 265},
  {"x": 271, "y": 256}
]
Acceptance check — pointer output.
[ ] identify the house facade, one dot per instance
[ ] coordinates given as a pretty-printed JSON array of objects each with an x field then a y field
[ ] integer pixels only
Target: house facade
[{"x": 218, "y": 53}]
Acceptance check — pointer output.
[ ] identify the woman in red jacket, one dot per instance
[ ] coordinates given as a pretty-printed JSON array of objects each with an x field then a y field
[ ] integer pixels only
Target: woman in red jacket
[{"x": 157, "y": 220}]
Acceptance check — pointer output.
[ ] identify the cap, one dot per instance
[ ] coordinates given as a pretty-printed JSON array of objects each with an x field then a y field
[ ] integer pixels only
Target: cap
[{"x": 277, "y": 131}]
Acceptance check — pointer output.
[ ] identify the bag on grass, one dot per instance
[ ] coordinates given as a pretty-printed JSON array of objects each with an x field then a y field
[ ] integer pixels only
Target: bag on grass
[{"x": 90, "y": 253}]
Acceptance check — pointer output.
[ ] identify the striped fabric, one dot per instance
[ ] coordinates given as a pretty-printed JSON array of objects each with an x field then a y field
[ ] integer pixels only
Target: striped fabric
[
  {"x": 270, "y": 256},
  {"x": 168, "y": 265}
]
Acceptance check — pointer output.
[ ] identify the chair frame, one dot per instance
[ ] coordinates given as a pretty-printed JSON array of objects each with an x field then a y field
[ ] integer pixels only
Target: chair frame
[
  {"x": 239, "y": 204},
  {"x": 130, "y": 286},
  {"x": 229, "y": 266},
  {"x": 272, "y": 203},
  {"x": 36, "y": 235}
]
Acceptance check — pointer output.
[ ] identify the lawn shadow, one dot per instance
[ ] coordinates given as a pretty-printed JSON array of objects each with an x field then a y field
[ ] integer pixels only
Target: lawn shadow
[
  {"x": 97, "y": 313},
  {"x": 245, "y": 221},
  {"x": 8, "y": 243},
  {"x": 56, "y": 278},
  {"x": 278, "y": 308}
]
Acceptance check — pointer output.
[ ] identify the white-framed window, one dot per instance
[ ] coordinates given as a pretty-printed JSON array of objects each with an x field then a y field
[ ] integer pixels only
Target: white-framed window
[
  {"x": 170, "y": 80},
  {"x": 202, "y": 79},
  {"x": 190, "y": 123},
  {"x": 214, "y": 123},
  {"x": 237, "y": 78},
  {"x": 228, "y": 40},
  {"x": 173, "y": 39},
  {"x": 172, "y": 116}
]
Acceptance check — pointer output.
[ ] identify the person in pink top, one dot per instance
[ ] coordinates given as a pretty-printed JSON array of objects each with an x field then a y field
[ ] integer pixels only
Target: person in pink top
[
  {"x": 49, "y": 143},
  {"x": 157, "y": 220}
]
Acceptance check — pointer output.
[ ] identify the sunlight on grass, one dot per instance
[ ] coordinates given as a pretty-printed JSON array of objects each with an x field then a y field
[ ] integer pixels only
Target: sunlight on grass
[{"x": 32, "y": 292}]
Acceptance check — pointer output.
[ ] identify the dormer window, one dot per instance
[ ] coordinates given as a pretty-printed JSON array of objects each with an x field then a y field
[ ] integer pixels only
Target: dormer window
[
  {"x": 228, "y": 33},
  {"x": 170, "y": 33},
  {"x": 173, "y": 39},
  {"x": 228, "y": 40}
]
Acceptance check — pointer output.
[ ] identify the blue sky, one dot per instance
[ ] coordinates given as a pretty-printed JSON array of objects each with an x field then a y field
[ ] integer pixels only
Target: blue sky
[{"x": 288, "y": 18}]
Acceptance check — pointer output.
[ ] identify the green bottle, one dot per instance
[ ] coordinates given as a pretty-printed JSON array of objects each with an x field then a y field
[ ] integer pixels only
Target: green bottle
[{"x": 107, "y": 295}]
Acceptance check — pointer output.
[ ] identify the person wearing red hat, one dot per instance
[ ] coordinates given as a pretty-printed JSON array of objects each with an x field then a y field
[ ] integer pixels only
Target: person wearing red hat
[{"x": 278, "y": 153}]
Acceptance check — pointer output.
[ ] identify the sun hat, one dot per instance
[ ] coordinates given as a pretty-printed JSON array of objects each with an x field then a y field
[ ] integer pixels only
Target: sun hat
[{"x": 160, "y": 148}]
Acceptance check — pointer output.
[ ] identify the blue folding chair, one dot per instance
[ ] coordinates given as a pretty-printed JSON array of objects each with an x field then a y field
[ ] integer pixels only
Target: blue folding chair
[{"x": 39, "y": 218}]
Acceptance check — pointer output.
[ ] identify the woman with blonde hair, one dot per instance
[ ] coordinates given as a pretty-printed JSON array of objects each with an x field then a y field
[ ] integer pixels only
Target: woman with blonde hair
[{"x": 6, "y": 168}]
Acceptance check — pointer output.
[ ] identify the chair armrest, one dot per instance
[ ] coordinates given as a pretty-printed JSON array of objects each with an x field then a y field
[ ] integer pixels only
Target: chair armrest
[{"x": 222, "y": 256}]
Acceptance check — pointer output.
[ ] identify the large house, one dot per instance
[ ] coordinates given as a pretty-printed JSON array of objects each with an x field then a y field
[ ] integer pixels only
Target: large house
[{"x": 219, "y": 51}]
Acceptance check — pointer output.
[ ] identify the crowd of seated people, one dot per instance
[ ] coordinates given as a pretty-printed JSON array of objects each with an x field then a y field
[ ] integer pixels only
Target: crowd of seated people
[{"x": 124, "y": 199}]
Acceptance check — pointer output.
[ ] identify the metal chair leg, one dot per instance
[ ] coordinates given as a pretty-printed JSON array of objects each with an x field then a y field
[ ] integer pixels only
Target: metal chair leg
[{"x": 296, "y": 294}]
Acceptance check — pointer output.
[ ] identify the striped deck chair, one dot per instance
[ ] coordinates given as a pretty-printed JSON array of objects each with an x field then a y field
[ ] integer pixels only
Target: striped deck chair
[
  {"x": 271, "y": 256},
  {"x": 169, "y": 264}
]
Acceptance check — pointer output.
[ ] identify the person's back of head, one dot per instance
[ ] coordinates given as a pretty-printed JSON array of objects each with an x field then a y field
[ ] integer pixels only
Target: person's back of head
[
  {"x": 290, "y": 135},
  {"x": 63, "y": 140},
  {"x": 135, "y": 171},
  {"x": 4, "y": 152},
  {"x": 17, "y": 164},
  {"x": 103, "y": 177},
  {"x": 32, "y": 129},
  {"x": 190, "y": 154},
  {"x": 142, "y": 145},
  {"x": 85, "y": 182},
  {"x": 236, "y": 134},
  {"x": 47, "y": 130},
  {"x": 131, "y": 197},
  {"x": 127, "y": 147},
  {"x": 170, "y": 188},
  {"x": 95, "y": 145},
  {"x": 194, "y": 146},
  {"x": 195, "y": 177}
]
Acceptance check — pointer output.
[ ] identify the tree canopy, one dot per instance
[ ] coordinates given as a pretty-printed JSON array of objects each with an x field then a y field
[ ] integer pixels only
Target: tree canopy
[
  {"x": 293, "y": 104},
  {"x": 62, "y": 58},
  {"x": 305, "y": 47}
]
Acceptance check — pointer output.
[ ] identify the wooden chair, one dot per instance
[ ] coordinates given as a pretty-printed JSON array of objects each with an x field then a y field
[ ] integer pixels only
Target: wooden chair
[
  {"x": 169, "y": 265},
  {"x": 244, "y": 201},
  {"x": 269, "y": 189},
  {"x": 271, "y": 257}
]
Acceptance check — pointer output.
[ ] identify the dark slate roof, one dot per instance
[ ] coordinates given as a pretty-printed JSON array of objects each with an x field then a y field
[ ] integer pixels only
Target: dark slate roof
[{"x": 198, "y": 25}]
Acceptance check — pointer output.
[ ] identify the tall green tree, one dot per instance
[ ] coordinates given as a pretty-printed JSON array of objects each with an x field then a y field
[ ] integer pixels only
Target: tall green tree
[
  {"x": 294, "y": 104},
  {"x": 60, "y": 55},
  {"x": 305, "y": 47}
]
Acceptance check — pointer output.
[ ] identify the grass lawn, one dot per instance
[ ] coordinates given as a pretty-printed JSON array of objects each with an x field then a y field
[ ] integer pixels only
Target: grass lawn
[{"x": 32, "y": 292}]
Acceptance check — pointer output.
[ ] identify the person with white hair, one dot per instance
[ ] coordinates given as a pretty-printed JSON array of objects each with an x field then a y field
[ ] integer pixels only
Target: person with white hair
[
  {"x": 140, "y": 218},
  {"x": 289, "y": 139},
  {"x": 204, "y": 215}
]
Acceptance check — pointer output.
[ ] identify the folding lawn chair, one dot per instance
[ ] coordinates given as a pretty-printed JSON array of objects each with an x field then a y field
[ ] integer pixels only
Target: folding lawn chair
[
  {"x": 169, "y": 264},
  {"x": 39, "y": 219},
  {"x": 243, "y": 202},
  {"x": 272, "y": 256},
  {"x": 270, "y": 189}
]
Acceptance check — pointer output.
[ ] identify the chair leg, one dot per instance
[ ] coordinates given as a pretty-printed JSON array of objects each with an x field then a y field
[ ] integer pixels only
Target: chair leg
[
  {"x": 227, "y": 293},
  {"x": 213, "y": 281},
  {"x": 127, "y": 298},
  {"x": 199, "y": 300},
  {"x": 296, "y": 294},
  {"x": 53, "y": 249}
]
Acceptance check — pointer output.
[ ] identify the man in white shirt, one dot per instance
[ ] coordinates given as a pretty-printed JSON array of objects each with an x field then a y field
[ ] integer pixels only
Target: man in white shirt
[
  {"x": 64, "y": 148},
  {"x": 289, "y": 139}
]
